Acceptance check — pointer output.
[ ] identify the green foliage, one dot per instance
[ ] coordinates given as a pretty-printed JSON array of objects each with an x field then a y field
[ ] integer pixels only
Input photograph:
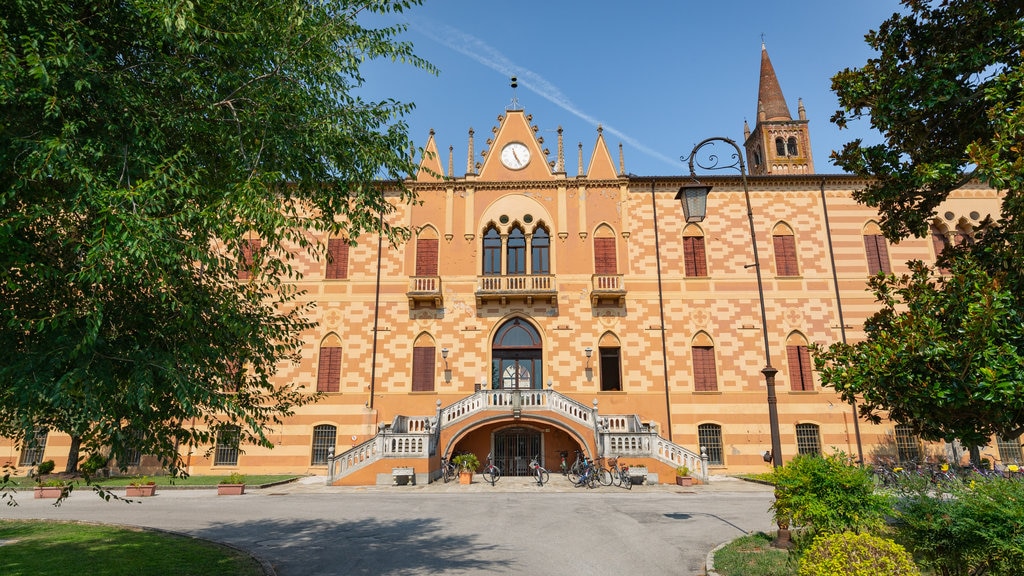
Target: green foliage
[
  {"x": 233, "y": 478},
  {"x": 682, "y": 471},
  {"x": 142, "y": 146},
  {"x": 826, "y": 495},
  {"x": 754, "y": 555},
  {"x": 944, "y": 91},
  {"x": 45, "y": 467},
  {"x": 94, "y": 462},
  {"x": 849, "y": 554},
  {"x": 976, "y": 528},
  {"x": 944, "y": 355},
  {"x": 466, "y": 462}
]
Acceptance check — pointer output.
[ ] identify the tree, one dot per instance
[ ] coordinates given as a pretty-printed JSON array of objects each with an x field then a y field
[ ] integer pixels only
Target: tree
[
  {"x": 161, "y": 165},
  {"x": 944, "y": 354}
]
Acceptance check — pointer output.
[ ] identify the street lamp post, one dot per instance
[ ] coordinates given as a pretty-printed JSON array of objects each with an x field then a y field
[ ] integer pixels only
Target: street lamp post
[{"x": 694, "y": 199}]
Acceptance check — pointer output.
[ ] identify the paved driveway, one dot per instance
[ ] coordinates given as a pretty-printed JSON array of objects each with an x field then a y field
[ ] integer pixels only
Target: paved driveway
[{"x": 305, "y": 529}]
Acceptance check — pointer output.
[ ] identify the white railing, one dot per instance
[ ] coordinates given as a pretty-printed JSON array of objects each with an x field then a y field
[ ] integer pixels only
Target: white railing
[
  {"x": 525, "y": 400},
  {"x": 523, "y": 284}
]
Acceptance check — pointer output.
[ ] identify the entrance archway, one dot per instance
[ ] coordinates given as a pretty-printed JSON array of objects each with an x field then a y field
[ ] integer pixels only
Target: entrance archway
[
  {"x": 516, "y": 353},
  {"x": 514, "y": 448}
]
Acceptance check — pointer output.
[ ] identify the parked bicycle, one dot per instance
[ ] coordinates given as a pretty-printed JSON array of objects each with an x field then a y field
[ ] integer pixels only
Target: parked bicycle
[
  {"x": 619, "y": 473},
  {"x": 539, "y": 472},
  {"x": 491, "y": 471},
  {"x": 448, "y": 469},
  {"x": 578, "y": 466},
  {"x": 624, "y": 476},
  {"x": 587, "y": 476}
]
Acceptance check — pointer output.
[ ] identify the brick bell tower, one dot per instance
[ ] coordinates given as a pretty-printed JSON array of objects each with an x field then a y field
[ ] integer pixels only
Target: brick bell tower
[{"x": 778, "y": 144}]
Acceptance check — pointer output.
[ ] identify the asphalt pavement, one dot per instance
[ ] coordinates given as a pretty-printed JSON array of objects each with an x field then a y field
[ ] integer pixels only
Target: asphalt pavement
[{"x": 306, "y": 528}]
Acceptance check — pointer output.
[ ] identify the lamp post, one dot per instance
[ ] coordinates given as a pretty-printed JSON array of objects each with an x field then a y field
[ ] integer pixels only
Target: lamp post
[{"x": 694, "y": 199}]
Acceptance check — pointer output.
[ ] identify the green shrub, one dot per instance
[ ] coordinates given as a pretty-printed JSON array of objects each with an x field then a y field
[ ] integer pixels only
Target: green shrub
[
  {"x": 233, "y": 478},
  {"x": 849, "y": 554},
  {"x": 466, "y": 462},
  {"x": 826, "y": 494},
  {"x": 976, "y": 528},
  {"x": 94, "y": 462},
  {"x": 45, "y": 467}
]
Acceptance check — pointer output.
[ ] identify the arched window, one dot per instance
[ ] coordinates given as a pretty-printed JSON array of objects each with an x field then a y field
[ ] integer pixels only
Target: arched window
[
  {"x": 605, "y": 261},
  {"x": 540, "y": 251},
  {"x": 424, "y": 363},
  {"x": 694, "y": 255},
  {"x": 800, "y": 376},
  {"x": 324, "y": 436},
  {"x": 780, "y": 147},
  {"x": 940, "y": 241},
  {"x": 492, "y": 252},
  {"x": 876, "y": 250},
  {"x": 328, "y": 372},
  {"x": 516, "y": 356},
  {"x": 791, "y": 146},
  {"x": 709, "y": 436},
  {"x": 515, "y": 261},
  {"x": 705, "y": 372},
  {"x": 808, "y": 439},
  {"x": 427, "y": 246},
  {"x": 785, "y": 251}
]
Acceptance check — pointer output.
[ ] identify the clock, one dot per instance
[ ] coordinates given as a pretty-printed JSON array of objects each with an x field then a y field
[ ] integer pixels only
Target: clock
[{"x": 515, "y": 156}]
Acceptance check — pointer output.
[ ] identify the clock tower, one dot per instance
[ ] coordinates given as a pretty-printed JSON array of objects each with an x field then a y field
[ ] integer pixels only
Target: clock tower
[{"x": 778, "y": 144}]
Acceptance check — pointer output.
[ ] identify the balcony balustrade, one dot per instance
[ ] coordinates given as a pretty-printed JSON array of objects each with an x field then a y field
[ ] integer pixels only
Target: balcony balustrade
[{"x": 526, "y": 287}]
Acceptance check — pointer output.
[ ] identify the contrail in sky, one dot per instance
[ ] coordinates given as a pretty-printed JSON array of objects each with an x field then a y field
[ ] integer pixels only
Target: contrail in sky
[{"x": 476, "y": 49}]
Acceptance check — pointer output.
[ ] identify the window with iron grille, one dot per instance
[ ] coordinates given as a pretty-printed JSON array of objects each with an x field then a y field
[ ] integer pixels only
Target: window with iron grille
[
  {"x": 877, "y": 253},
  {"x": 323, "y": 443},
  {"x": 133, "y": 456},
  {"x": 328, "y": 375},
  {"x": 709, "y": 436},
  {"x": 705, "y": 377},
  {"x": 694, "y": 256},
  {"x": 808, "y": 439},
  {"x": 337, "y": 259},
  {"x": 226, "y": 452},
  {"x": 908, "y": 446},
  {"x": 34, "y": 449},
  {"x": 1010, "y": 450}
]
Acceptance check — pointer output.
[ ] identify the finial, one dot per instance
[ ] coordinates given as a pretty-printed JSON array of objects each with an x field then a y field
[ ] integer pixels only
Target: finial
[
  {"x": 469, "y": 160},
  {"x": 622, "y": 162},
  {"x": 762, "y": 41},
  {"x": 451, "y": 166},
  {"x": 579, "y": 168},
  {"x": 561, "y": 153},
  {"x": 515, "y": 100}
]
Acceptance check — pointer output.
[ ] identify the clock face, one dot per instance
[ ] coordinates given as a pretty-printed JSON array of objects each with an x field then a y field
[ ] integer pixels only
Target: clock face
[{"x": 515, "y": 156}]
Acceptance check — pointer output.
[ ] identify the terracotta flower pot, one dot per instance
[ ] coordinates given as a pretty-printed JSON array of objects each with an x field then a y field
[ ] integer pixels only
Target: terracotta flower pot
[
  {"x": 465, "y": 477},
  {"x": 47, "y": 491},
  {"x": 230, "y": 489},
  {"x": 684, "y": 480},
  {"x": 140, "y": 491}
]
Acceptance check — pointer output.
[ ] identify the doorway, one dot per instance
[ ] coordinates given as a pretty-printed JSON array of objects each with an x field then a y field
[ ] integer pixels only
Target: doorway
[{"x": 514, "y": 448}]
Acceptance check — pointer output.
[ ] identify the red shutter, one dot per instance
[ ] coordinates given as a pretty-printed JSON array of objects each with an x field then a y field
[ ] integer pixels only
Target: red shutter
[
  {"x": 704, "y": 373},
  {"x": 694, "y": 256},
  {"x": 604, "y": 256},
  {"x": 328, "y": 377},
  {"x": 337, "y": 259},
  {"x": 877, "y": 253},
  {"x": 423, "y": 369},
  {"x": 426, "y": 257},
  {"x": 249, "y": 248},
  {"x": 785, "y": 256},
  {"x": 800, "y": 368}
]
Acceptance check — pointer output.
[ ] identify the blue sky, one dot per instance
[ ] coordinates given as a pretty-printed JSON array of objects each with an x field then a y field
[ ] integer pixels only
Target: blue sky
[{"x": 659, "y": 76}]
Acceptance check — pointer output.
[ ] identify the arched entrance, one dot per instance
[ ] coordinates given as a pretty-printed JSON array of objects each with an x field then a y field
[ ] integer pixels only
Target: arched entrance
[
  {"x": 516, "y": 357},
  {"x": 514, "y": 447}
]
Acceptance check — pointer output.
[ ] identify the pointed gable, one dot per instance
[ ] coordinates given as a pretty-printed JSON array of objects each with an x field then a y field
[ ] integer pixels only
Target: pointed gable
[
  {"x": 430, "y": 166},
  {"x": 770, "y": 101},
  {"x": 514, "y": 129},
  {"x": 602, "y": 167}
]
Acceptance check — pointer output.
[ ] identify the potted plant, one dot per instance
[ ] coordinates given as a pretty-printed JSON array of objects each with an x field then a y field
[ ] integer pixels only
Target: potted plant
[
  {"x": 141, "y": 487},
  {"x": 232, "y": 485},
  {"x": 52, "y": 488},
  {"x": 467, "y": 464},
  {"x": 683, "y": 477}
]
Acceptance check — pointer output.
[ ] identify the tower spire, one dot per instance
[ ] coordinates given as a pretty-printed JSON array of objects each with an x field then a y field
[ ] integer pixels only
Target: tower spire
[{"x": 769, "y": 93}]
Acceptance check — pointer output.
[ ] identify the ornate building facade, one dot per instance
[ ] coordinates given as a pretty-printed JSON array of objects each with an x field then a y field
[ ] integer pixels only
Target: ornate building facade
[{"x": 539, "y": 310}]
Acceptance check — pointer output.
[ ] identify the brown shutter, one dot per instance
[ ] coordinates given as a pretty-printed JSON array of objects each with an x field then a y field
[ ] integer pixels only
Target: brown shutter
[
  {"x": 694, "y": 256},
  {"x": 426, "y": 257},
  {"x": 423, "y": 369},
  {"x": 785, "y": 256},
  {"x": 604, "y": 256},
  {"x": 337, "y": 259},
  {"x": 328, "y": 377},
  {"x": 877, "y": 253},
  {"x": 800, "y": 368},
  {"x": 704, "y": 373}
]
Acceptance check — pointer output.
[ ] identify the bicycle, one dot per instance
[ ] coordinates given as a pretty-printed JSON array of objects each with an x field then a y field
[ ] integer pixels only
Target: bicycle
[
  {"x": 588, "y": 476},
  {"x": 576, "y": 470},
  {"x": 564, "y": 466},
  {"x": 449, "y": 470},
  {"x": 491, "y": 471},
  {"x": 624, "y": 476},
  {"x": 539, "y": 472},
  {"x": 603, "y": 472}
]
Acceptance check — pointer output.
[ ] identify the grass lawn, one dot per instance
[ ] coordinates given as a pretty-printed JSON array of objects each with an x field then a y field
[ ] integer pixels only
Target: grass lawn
[
  {"x": 753, "y": 555},
  {"x": 23, "y": 482},
  {"x": 41, "y": 548}
]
